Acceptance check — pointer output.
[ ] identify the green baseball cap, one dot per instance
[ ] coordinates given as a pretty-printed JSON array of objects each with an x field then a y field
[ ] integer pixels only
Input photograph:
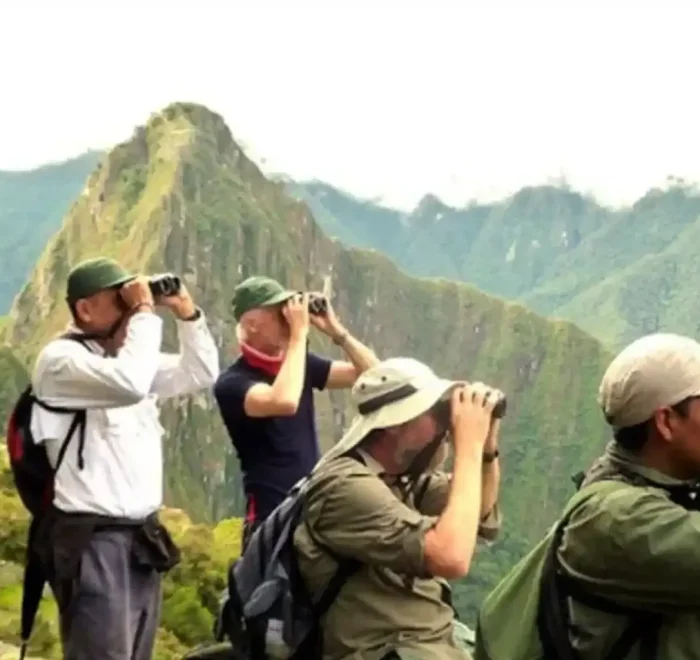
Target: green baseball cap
[
  {"x": 258, "y": 291},
  {"x": 94, "y": 275}
]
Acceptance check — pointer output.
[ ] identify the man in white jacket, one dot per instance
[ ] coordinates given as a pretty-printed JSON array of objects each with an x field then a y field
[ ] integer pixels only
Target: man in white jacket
[{"x": 100, "y": 543}]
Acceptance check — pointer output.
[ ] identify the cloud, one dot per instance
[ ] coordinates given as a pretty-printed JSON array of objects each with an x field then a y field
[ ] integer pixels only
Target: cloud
[{"x": 384, "y": 98}]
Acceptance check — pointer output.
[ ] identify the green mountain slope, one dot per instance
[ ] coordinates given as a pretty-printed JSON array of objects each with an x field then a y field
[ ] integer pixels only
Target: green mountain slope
[
  {"x": 613, "y": 272},
  {"x": 182, "y": 196},
  {"x": 32, "y": 204},
  {"x": 374, "y": 226}
]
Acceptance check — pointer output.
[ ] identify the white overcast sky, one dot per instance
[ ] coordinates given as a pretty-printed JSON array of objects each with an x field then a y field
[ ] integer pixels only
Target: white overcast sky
[{"x": 391, "y": 98}]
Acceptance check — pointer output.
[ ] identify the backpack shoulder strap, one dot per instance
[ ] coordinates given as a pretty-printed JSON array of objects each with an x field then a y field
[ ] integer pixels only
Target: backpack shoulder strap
[
  {"x": 80, "y": 414},
  {"x": 347, "y": 566},
  {"x": 346, "y": 569}
]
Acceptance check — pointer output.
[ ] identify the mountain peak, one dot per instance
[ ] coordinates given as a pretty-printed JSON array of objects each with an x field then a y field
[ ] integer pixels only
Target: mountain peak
[{"x": 430, "y": 207}]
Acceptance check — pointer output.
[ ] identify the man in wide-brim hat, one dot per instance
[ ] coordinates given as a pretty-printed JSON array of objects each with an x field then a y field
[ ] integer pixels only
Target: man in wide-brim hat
[{"x": 379, "y": 497}]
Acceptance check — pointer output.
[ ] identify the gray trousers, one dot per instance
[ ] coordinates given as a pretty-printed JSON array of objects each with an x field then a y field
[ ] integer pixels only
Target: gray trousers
[{"x": 113, "y": 609}]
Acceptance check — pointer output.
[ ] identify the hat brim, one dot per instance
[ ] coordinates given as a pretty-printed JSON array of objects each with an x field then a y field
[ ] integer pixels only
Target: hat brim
[
  {"x": 278, "y": 298},
  {"x": 111, "y": 284},
  {"x": 121, "y": 281},
  {"x": 392, "y": 414}
]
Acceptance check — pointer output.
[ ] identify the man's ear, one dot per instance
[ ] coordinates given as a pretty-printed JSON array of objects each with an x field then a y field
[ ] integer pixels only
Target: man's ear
[
  {"x": 663, "y": 421},
  {"x": 82, "y": 311}
]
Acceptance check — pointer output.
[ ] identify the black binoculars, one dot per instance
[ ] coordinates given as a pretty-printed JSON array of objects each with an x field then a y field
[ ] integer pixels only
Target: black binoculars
[
  {"x": 318, "y": 305},
  {"x": 443, "y": 410},
  {"x": 164, "y": 285}
]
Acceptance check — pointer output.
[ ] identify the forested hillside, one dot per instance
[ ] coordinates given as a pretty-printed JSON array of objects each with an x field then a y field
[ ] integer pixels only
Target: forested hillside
[
  {"x": 32, "y": 205},
  {"x": 617, "y": 273},
  {"x": 181, "y": 195}
]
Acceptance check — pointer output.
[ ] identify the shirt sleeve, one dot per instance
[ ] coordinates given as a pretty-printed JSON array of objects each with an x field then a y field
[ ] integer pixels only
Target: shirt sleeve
[
  {"x": 358, "y": 516},
  {"x": 636, "y": 548},
  {"x": 318, "y": 368},
  {"x": 432, "y": 491},
  {"x": 68, "y": 375},
  {"x": 194, "y": 368},
  {"x": 230, "y": 390}
]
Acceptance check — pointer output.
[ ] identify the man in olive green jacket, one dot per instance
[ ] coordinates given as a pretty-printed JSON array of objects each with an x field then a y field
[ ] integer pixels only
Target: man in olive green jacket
[{"x": 635, "y": 546}]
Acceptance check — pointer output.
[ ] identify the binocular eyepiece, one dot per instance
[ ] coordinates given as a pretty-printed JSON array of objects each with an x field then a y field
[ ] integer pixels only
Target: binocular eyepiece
[{"x": 164, "y": 285}]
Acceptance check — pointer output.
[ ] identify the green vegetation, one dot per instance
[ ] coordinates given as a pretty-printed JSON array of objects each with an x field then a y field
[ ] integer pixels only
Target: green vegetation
[
  {"x": 191, "y": 590},
  {"x": 31, "y": 207},
  {"x": 182, "y": 196},
  {"x": 618, "y": 274}
]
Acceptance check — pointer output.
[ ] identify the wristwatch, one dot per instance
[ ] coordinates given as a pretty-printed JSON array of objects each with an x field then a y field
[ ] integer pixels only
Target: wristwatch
[{"x": 490, "y": 457}]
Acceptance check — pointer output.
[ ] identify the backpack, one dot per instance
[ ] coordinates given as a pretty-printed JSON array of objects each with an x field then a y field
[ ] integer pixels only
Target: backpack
[
  {"x": 526, "y": 616},
  {"x": 267, "y": 611},
  {"x": 33, "y": 476}
]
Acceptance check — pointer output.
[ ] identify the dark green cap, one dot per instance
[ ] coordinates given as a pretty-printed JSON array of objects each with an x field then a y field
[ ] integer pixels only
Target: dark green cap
[
  {"x": 94, "y": 275},
  {"x": 258, "y": 291}
]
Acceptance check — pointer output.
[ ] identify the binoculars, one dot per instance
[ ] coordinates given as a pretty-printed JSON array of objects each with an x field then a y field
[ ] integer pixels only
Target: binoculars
[
  {"x": 443, "y": 410},
  {"x": 164, "y": 285},
  {"x": 318, "y": 305}
]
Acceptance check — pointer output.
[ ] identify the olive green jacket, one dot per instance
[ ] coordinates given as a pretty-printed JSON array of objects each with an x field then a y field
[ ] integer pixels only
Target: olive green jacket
[{"x": 639, "y": 549}]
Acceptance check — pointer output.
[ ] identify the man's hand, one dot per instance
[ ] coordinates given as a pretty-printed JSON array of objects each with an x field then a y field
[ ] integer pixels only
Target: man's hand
[
  {"x": 135, "y": 293},
  {"x": 328, "y": 322},
  {"x": 471, "y": 413},
  {"x": 180, "y": 304},
  {"x": 296, "y": 313}
]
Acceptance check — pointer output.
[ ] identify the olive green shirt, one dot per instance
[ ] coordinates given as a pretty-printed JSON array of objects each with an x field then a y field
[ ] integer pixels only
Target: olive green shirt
[
  {"x": 638, "y": 549},
  {"x": 391, "y": 602}
]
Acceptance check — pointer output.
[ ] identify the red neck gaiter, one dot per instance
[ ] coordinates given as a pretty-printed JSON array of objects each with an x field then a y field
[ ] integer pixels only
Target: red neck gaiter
[{"x": 267, "y": 363}]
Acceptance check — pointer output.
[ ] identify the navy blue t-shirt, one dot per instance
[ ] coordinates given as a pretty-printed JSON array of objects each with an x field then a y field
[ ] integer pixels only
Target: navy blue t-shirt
[{"x": 274, "y": 452}]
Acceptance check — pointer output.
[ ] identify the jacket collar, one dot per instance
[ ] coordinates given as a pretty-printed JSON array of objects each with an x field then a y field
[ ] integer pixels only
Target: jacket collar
[{"x": 627, "y": 462}]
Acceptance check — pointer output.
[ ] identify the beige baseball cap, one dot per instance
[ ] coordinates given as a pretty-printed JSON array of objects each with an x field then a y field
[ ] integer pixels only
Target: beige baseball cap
[{"x": 652, "y": 372}]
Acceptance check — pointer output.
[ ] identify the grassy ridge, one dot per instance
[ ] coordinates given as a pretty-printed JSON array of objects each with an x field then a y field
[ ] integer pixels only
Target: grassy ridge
[{"x": 181, "y": 195}]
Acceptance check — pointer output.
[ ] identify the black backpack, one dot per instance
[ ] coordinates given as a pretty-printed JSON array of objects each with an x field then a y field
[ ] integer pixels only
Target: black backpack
[
  {"x": 267, "y": 611},
  {"x": 34, "y": 479}
]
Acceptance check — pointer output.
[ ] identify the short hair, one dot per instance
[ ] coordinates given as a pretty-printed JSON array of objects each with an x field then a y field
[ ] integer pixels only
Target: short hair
[{"x": 633, "y": 438}]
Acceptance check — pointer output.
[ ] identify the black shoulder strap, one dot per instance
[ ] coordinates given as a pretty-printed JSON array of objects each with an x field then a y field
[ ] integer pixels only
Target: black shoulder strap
[
  {"x": 346, "y": 569},
  {"x": 80, "y": 419}
]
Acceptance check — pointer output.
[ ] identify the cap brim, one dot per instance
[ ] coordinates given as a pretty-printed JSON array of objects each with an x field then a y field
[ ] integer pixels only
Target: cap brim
[
  {"x": 391, "y": 415},
  {"x": 122, "y": 280},
  {"x": 281, "y": 297},
  {"x": 111, "y": 285}
]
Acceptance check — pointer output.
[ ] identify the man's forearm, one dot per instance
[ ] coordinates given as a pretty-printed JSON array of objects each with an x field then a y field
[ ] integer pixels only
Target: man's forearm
[
  {"x": 490, "y": 482},
  {"x": 361, "y": 356},
  {"x": 289, "y": 382},
  {"x": 491, "y": 470},
  {"x": 455, "y": 532}
]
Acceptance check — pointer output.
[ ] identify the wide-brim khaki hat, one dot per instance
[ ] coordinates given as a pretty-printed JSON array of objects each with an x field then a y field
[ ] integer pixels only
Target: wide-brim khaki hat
[{"x": 392, "y": 392}]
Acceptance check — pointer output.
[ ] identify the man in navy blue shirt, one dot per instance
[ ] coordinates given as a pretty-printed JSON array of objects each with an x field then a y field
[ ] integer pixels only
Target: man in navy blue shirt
[{"x": 266, "y": 395}]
